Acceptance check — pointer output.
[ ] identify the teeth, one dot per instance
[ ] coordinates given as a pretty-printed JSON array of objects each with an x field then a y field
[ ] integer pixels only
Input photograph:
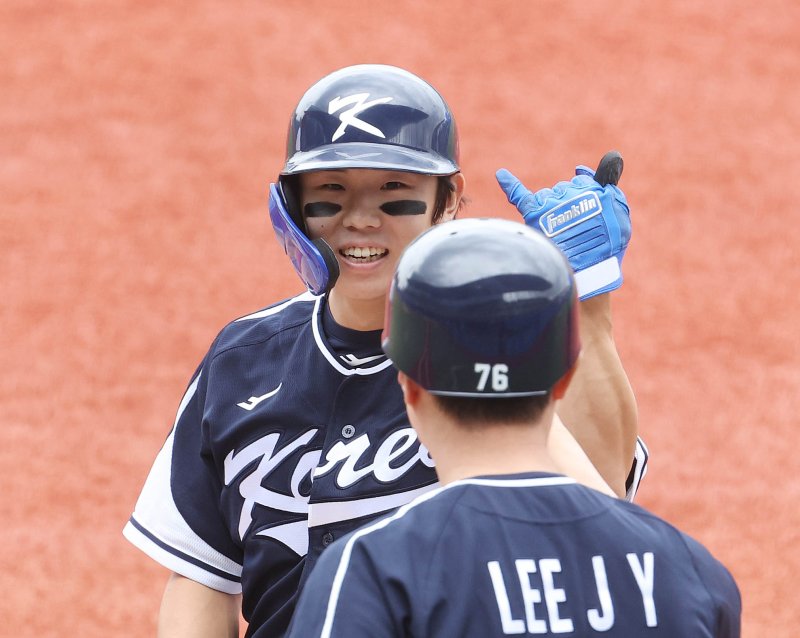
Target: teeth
[{"x": 362, "y": 253}]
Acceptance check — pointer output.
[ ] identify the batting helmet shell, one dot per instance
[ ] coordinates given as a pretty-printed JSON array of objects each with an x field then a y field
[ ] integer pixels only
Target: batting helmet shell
[
  {"x": 482, "y": 308},
  {"x": 372, "y": 116}
]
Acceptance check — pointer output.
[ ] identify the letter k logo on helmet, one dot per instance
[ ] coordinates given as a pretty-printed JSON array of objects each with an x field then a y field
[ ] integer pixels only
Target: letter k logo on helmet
[{"x": 350, "y": 116}]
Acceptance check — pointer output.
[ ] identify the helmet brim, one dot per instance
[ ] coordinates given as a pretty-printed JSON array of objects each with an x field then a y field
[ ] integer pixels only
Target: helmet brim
[{"x": 366, "y": 155}]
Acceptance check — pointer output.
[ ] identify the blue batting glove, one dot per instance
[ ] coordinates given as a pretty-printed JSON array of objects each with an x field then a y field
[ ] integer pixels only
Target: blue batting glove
[{"x": 588, "y": 221}]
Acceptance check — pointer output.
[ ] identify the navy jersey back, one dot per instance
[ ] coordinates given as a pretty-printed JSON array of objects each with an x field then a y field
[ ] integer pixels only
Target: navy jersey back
[{"x": 533, "y": 554}]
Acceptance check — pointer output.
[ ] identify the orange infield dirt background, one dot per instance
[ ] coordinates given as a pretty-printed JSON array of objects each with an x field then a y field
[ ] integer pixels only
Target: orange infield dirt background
[{"x": 137, "y": 142}]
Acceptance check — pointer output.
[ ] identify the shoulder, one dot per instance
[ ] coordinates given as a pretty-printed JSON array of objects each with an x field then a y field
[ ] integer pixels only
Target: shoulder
[
  {"x": 719, "y": 583},
  {"x": 266, "y": 323},
  {"x": 711, "y": 571}
]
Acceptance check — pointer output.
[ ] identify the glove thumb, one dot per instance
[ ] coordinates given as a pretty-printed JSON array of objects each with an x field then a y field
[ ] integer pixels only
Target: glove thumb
[{"x": 515, "y": 190}]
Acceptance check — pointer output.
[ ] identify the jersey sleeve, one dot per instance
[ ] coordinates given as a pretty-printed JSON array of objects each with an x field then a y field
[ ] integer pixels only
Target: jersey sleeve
[
  {"x": 641, "y": 455},
  {"x": 177, "y": 520},
  {"x": 344, "y": 598}
]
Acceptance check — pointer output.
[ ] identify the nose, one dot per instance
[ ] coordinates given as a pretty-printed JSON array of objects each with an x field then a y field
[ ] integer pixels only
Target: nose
[{"x": 359, "y": 215}]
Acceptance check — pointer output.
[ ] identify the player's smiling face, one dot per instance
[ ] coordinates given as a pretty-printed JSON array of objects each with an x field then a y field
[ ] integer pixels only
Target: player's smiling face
[{"x": 367, "y": 217}]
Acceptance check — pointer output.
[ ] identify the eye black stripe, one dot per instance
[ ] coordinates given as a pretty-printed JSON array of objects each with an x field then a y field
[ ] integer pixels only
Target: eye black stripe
[
  {"x": 321, "y": 209},
  {"x": 405, "y": 207}
]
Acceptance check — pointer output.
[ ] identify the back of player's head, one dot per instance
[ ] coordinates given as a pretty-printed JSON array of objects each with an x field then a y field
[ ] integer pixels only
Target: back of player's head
[{"x": 483, "y": 308}]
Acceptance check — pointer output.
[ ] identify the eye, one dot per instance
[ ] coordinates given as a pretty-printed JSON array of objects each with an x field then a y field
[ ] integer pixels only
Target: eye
[
  {"x": 332, "y": 186},
  {"x": 393, "y": 186}
]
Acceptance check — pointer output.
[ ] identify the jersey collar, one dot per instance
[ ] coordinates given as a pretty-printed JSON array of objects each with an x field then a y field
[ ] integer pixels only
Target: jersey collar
[{"x": 347, "y": 363}]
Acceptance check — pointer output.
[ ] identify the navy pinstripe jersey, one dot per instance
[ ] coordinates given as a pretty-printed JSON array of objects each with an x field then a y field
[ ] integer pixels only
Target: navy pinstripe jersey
[
  {"x": 282, "y": 396},
  {"x": 518, "y": 555}
]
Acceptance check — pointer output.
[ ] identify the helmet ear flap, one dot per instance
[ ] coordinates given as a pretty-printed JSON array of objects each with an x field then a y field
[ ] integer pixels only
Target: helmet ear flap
[
  {"x": 314, "y": 261},
  {"x": 329, "y": 258},
  {"x": 290, "y": 188}
]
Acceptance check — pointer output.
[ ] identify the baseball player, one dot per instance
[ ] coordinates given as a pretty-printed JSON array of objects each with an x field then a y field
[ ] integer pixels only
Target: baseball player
[
  {"x": 292, "y": 431},
  {"x": 508, "y": 545}
]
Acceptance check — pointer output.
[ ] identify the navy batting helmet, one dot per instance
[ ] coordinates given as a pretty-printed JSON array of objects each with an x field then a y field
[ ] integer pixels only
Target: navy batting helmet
[
  {"x": 372, "y": 116},
  {"x": 364, "y": 116},
  {"x": 482, "y": 308}
]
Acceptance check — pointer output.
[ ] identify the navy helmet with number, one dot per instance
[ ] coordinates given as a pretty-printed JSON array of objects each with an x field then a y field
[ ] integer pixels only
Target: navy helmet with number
[
  {"x": 482, "y": 308},
  {"x": 364, "y": 116}
]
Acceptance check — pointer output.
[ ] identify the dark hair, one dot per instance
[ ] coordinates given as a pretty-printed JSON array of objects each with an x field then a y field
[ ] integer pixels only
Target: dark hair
[
  {"x": 444, "y": 190},
  {"x": 470, "y": 412}
]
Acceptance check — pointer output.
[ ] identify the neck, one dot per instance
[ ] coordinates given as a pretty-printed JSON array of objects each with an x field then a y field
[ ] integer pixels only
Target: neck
[
  {"x": 357, "y": 314},
  {"x": 489, "y": 449}
]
